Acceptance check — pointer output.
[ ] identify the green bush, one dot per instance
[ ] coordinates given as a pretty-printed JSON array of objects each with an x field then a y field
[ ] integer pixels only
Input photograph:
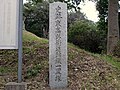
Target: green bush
[
  {"x": 85, "y": 35},
  {"x": 116, "y": 51},
  {"x": 32, "y": 72},
  {"x": 36, "y": 18}
]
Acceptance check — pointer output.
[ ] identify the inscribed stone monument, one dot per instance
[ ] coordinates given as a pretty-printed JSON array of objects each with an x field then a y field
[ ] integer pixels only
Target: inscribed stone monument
[
  {"x": 9, "y": 24},
  {"x": 58, "y": 45}
]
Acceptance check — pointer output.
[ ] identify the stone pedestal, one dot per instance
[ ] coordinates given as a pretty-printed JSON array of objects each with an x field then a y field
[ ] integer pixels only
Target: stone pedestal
[
  {"x": 49, "y": 88},
  {"x": 15, "y": 86}
]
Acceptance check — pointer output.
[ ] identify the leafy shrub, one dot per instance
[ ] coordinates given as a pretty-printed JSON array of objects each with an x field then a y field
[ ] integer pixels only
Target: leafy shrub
[
  {"x": 36, "y": 18},
  {"x": 32, "y": 72},
  {"x": 85, "y": 35}
]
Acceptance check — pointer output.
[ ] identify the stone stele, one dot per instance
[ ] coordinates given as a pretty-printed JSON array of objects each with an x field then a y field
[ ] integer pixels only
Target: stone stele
[{"x": 58, "y": 45}]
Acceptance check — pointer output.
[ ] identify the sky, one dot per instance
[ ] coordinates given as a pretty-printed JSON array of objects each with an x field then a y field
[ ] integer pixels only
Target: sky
[
  {"x": 24, "y": 1},
  {"x": 88, "y": 8}
]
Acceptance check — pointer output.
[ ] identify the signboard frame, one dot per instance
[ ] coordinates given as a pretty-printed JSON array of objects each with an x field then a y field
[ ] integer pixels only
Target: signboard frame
[
  {"x": 18, "y": 34},
  {"x": 12, "y": 42}
]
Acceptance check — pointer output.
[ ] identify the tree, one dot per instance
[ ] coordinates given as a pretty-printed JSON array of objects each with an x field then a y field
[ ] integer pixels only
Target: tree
[
  {"x": 113, "y": 33},
  {"x": 113, "y": 27},
  {"x": 34, "y": 2},
  {"x": 112, "y": 20},
  {"x": 37, "y": 18},
  {"x": 84, "y": 34},
  {"x": 36, "y": 13},
  {"x": 75, "y": 16},
  {"x": 102, "y": 24},
  {"x": 102, "y": 7}
]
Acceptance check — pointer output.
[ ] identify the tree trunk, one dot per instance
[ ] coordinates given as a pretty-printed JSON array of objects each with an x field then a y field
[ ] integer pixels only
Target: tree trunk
[{"x": 113, "y": 27}]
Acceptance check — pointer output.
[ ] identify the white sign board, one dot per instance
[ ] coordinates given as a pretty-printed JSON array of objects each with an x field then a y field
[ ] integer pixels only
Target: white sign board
[{"x": 9, "y": 12}]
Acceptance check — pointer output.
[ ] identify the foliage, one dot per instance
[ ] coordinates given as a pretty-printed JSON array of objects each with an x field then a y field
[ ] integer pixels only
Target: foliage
[
  {"x": 36, "y": 18},
  {"x": 32, "y": 72},
  {"x": 91, "y": 72},
  {"x": 75, "y": 16},
  {"x": 102, "y": 7},
  {"x": 71, "y": 4},
  {"x": 85, "y": 35},
  {"x": 34, "y": 2},
  {"x": 115, "y": 62}
]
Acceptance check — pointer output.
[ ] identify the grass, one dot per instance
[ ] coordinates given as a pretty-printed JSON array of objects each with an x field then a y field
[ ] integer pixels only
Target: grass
[
  {"x": 4, "y": 70},
  {"x": 29, "y": 37},
  {"x": 33, "y": 71},
  {"x": 115, "y": 62},
  {"x": 85, "y": 70}
]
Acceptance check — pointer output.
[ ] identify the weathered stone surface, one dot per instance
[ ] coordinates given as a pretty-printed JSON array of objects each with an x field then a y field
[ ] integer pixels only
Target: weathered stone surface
[
  {"x": 15, "y": 86},
  {"x": 58, "y": 45}
]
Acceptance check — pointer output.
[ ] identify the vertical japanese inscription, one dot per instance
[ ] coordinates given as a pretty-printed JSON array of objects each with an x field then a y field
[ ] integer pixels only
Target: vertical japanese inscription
[
  {"x": 58, "y": 45},
  {"x": 58, "y": 19}
]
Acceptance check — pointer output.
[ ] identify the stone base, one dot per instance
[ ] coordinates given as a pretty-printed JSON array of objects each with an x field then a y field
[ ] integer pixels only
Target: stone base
[
  {"x": 15, "y": 86},
  {"x": 61, "y": 89}
]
